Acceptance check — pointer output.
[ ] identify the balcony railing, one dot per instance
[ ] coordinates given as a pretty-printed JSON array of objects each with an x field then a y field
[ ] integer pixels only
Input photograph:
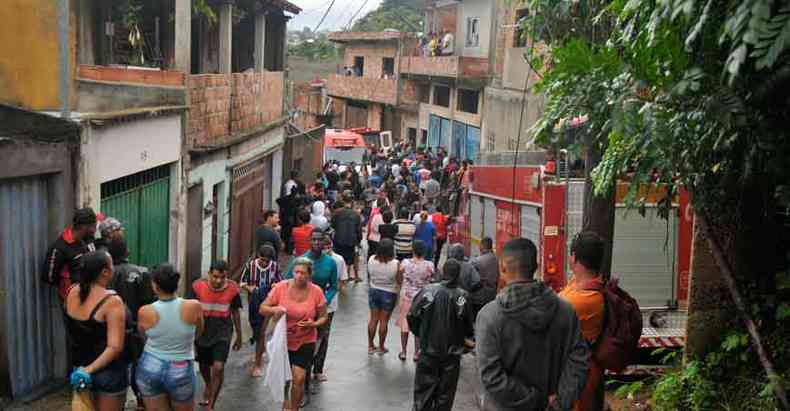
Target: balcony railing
[
  {"x": 377, "y": 90},
  {"x": 224, "y": 106},
  {"x": 445, "y": 66}
]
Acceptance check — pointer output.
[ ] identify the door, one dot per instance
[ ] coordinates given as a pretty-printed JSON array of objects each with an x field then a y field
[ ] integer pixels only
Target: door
[
  {"x": 644, "y": 256},
  {"x": 32, "y": 350},
  {"x": 475, "y": 222},
  {"x": 459, "y": 140},
  {"x": 194, "y": 234},
  {"x": 434, "y": 131},
  {"x": 472, "y": 142},
  {"x": 530, "y": 225},
  {"x": 142, "y": 203},
  {"x": 246, "y": 209},
  {"x": 447, "y": 133},
  {"x": 489, "y": 219}
]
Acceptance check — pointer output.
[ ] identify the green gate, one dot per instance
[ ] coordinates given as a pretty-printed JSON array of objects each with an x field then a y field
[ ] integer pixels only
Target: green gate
[{"x": 141, "y": 202}]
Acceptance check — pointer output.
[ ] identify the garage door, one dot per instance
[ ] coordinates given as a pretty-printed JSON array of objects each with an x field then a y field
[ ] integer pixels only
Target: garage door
[
  {"x": 644, "y": 256},
  {"x": 31, "y": 332},
  {"x": 142, "y": 202},
  {"x": 476, "y": 222},
  {"x": 530, "y": 225},
  {"x": 489, "y": 219}
]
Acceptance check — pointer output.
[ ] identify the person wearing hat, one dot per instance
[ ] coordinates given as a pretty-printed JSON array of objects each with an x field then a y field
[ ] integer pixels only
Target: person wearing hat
[
  {"x": 61, "y": 265},
  {"x": 110, "y": 229}
]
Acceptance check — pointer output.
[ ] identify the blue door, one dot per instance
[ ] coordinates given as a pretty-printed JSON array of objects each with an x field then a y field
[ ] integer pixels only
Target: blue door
[
  {"x": 447, "y": 133},
  {"x": 459, "y": 140},
  {"x": 434, "y": 130},
  {"x": 472, "y": 142}
]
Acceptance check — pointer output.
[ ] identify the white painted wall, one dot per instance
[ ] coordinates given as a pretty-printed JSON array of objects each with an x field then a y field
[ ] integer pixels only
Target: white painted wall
[
  {"x": 211, "y": 173},
  {"x": 124, "y": 148},
  {"x": 484, "y": 9}
]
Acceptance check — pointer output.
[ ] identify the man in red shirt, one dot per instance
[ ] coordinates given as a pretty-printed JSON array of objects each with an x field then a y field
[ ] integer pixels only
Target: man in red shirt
[
  {"x": 62, "y": 263},
  {"x": 221, "y": 303},
  {"x": 439, "y": 220}
]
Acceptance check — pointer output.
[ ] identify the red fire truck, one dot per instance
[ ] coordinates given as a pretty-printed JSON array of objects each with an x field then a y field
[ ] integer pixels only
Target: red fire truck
[{"x": 651, "y": 255}]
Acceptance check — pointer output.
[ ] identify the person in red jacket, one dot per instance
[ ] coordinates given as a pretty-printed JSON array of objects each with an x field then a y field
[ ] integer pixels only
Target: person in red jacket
[
  {"x": 62, "y": 261},
  {"x": 440, "y": 221},
  {"x": 300, "y": 235}
]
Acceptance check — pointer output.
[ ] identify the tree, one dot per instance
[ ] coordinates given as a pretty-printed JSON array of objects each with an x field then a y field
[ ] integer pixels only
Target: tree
[
  {"x": 401, "y": 15},
  {"x": 688, "y": 94}
]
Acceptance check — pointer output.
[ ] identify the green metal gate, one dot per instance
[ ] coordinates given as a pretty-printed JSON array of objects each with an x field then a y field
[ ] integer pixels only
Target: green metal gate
[{"x": 141, "y": 202}]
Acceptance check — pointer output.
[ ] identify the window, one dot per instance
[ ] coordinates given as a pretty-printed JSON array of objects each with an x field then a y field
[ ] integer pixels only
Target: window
[
  {"x": 511, "y": 144},
  {"x": 441, "y": 96},
  {"x": 473, "y": 32},
  {"x": 359, "y": 66},
  {"x": 491, "y": 142},
  {"x": 468, "y": 100},
  {"x": 424, "y": 93},
  {"x": 388, "y": 67},
  {"x": 520, "y": 39},
  {"x": 423, "y": 138}
]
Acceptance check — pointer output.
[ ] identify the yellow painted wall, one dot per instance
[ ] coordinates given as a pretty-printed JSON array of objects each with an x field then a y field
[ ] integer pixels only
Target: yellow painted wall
[{"x": 29, "y": 69}]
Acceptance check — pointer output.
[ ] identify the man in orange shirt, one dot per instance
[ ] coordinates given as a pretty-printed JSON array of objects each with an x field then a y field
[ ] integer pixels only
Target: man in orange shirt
[{"x": 586, "y": 257}]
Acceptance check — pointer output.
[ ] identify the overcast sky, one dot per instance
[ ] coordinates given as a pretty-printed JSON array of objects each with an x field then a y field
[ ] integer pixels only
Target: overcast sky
[{"x": 338, "y": 16}]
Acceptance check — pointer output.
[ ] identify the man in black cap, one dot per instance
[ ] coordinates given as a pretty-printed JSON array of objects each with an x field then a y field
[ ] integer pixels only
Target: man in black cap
[{"x": 61, "y": 264}]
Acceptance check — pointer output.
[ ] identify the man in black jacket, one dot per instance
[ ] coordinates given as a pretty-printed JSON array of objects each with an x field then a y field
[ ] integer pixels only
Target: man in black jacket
[
  {"x": 530, "y": 350},
  {"x": 133, "y": 285},
  {"x": 441, "y": 317},
  {"x": 62, "y": 262}
]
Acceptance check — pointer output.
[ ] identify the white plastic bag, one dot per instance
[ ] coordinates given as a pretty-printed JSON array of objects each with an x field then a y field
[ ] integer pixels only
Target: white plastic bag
[{"x": 278, "y": 371}]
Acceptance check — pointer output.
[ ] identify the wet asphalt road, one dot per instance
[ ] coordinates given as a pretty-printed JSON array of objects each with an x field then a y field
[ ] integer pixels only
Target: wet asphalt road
[{"x": 357, "y": 381}]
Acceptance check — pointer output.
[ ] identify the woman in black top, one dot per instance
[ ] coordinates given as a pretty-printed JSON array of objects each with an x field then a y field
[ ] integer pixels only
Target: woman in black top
[
  {"x": 388, "y": 230},
  {"x": 95, "y": 320}
]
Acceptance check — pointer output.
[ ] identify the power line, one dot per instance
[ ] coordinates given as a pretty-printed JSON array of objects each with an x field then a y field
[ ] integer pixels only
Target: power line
[
  {"x": 324, "y": 17},
  {"x": 356, "y": 14}
]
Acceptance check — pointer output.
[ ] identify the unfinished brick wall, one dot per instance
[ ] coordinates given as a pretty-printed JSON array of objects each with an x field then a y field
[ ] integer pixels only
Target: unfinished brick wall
[
  {"x": 374, "y": 54},
  {"x": 223, "y": 104},
  {"x": 409, "y": 93},
  {"x": 257, "y": 99},
  {"x": 361, "y": 88},
  {"x": 209, "y": 112},
  {"x": 309, "y": 103}
]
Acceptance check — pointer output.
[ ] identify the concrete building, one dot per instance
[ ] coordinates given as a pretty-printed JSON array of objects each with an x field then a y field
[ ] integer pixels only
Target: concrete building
[
  {"x": 368, "y": 93},
  {"x": 450, "y": 85},
  {"x": 171, "y": 102},
  {"x": 511, "y": 107}
]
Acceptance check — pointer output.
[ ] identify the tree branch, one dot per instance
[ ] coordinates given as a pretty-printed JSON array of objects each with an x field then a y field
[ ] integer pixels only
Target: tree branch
[{"x": 726, "y": 273}]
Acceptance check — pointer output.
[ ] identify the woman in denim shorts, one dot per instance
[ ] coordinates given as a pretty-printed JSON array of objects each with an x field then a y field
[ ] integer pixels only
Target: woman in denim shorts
[
  {"x": 165, "y": 371},
  {"x": 383, "y": 295},
  {"x": 95, "y": 320}
]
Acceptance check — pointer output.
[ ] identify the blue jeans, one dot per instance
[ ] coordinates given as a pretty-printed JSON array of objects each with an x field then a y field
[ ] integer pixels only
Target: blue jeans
[{"x": 174, "y": 378}]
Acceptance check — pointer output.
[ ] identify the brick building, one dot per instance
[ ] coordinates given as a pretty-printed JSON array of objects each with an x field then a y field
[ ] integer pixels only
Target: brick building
[{"x": 367, "y": 92}]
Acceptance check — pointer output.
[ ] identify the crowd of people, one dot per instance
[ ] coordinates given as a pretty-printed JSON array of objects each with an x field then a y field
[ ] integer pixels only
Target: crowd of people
[{"x": 129, "y": 328}]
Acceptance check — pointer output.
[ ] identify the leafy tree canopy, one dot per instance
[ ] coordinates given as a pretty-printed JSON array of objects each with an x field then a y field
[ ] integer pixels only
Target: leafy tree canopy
[{"x": 402, "y": 15}]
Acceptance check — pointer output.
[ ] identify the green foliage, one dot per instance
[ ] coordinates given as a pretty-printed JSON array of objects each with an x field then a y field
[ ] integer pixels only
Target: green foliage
[
  {"x": 722, "y": 380},
  {"x": 401, "y": 15},
  {"x": 318, "y": 49},
  {"x": 202, "y": 8}
]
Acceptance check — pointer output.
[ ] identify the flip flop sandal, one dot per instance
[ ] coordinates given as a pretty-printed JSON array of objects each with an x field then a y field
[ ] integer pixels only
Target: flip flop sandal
[
  {"x": 371, "y": 351},
  {"x": 402, "y": 356}
]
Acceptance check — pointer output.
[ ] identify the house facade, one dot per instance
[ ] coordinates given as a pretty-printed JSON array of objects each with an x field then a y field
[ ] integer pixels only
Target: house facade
[{"x": 168, "y": 118}]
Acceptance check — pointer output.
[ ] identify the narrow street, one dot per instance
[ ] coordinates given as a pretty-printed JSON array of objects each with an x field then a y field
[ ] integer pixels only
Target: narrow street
[{"x": 357, "y": 381}]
